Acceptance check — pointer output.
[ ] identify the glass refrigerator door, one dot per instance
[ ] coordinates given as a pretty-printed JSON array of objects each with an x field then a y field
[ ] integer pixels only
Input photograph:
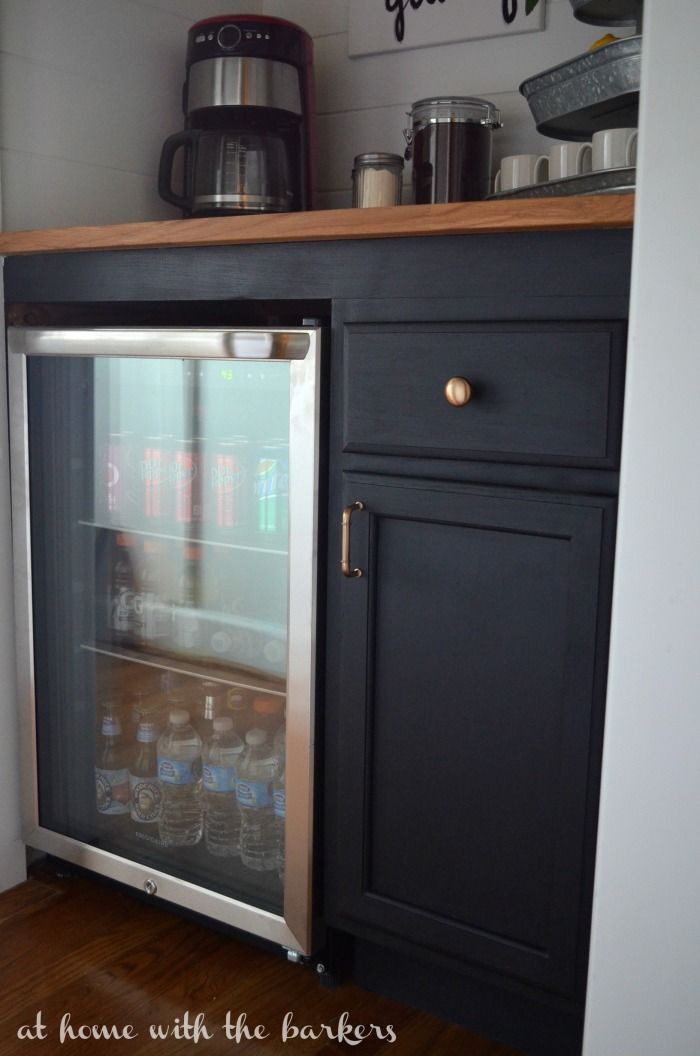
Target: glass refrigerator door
[{"x": 165, "y": 495}]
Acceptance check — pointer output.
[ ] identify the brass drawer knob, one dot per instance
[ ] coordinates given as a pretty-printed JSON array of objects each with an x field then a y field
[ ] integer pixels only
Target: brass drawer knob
[{"x": 458, "y": 392}]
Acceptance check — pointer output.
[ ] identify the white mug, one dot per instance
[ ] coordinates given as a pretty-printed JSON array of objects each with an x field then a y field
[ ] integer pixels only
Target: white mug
[
  {"x": 569, "y": 159},
  {"x": 521, "y": 170},
  {"x": 615, "y": 148}
]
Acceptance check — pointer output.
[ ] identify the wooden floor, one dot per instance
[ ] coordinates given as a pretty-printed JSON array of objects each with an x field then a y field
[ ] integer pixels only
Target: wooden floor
[{"x": 72, "y": 946}]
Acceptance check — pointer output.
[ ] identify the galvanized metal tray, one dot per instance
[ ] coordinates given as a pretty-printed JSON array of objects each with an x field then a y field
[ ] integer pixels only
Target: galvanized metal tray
[
  {"x": 597, "y": 90},
  {"x": 607, "y": 181}
]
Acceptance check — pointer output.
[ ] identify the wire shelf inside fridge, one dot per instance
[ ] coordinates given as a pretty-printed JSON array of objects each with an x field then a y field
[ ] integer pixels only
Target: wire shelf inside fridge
[
  {"x": 186, "y": 540},
  {"x": 240, "y": 678}
]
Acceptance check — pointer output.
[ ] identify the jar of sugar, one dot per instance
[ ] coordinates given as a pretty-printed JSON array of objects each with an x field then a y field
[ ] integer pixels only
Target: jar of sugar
[{"x": 376, "y": 180}]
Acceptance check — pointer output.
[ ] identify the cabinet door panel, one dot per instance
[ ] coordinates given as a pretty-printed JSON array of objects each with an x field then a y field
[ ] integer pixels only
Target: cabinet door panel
[{"x": 468, "y": 657}]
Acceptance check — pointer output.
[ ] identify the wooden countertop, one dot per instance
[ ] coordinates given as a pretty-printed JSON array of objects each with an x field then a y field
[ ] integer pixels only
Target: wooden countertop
[{"x": 463, "y": 218}]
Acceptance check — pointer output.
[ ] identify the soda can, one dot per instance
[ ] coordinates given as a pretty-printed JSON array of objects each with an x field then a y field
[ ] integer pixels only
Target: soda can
[
  {"x": 154, "y": 475},
  {"x": 120, "y": 495},
  {"x": 116, "y": 457},
  {"x": 229, "y": 483},
  {"x": 187, "y": 480},
  {"x": 271, "y": 489}
]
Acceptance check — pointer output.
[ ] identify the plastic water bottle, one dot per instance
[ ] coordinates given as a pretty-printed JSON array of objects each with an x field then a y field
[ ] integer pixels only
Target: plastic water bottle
[
  {"x": 222, "y": 818},
  {"x": 256, "y": 774},
  {"x": 279, "y": 799},
  {"x": 180, "y": 778}
]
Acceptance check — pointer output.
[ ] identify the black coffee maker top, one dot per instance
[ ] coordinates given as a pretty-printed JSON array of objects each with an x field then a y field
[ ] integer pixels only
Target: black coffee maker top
[{"x": 257, "y": 36}]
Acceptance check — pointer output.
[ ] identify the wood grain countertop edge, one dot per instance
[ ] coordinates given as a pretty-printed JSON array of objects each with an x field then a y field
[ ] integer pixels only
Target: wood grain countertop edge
[{"x": 464, "y": 218}]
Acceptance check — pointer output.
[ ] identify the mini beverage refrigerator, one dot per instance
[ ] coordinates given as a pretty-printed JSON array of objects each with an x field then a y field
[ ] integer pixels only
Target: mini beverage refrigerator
[{"x": 164, "y": 487}]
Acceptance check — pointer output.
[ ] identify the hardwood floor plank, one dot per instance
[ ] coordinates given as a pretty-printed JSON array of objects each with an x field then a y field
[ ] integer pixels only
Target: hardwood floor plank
[
  {"x": 74, "y": 937},
  {"x": 77, "y": 946},
  {"x": 21, "y": 901}
]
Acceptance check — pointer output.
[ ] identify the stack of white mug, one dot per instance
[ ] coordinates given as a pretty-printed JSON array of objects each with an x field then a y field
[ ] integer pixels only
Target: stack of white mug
[{"x": 612, "y": 148}]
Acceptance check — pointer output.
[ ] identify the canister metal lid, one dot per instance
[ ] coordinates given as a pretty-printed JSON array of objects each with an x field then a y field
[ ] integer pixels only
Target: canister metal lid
[
  {"x": 377, "y": 159},
  {"x": 454, "y": 108}
]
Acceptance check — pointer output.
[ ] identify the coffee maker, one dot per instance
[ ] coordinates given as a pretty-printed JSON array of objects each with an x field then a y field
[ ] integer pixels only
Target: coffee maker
[{"x": 248, "y": 101}]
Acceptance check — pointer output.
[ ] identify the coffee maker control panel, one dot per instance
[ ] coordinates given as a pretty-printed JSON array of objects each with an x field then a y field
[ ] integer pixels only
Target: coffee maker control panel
[
  {"x": 229, "y": 37},
  {"x": 242, "y": 35}
]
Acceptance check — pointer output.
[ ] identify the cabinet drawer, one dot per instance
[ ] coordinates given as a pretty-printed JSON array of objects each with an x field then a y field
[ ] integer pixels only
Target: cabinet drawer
[{"x": 541, "y": 393}]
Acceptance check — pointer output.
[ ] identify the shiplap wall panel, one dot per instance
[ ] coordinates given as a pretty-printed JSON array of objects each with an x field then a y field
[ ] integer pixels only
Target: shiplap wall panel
[
  {"x": 51, "y": 192},
  {"x": 89, "y": 89},
  {"x": 194, "y": 10},
  {"x": 318, "y": 17},
  {"x": 97, "y": 39},
  {"x": 362, "y": 102},
  {"x": 130, "y": 140},
  {"x": 108, "y": 108}
]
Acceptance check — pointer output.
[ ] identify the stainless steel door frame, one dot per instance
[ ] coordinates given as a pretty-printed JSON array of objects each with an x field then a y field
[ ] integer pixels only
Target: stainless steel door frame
[{"x": 295, "y": 929}]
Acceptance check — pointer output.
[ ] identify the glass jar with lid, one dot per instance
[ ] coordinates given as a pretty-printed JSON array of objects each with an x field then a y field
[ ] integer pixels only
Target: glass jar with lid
[
  {"x": 376, "y": 180},
  {"x": 450, "y": 141}
]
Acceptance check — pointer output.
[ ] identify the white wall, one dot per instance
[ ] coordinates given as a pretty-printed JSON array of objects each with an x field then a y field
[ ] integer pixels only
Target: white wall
[
  {"x": 362, "y": 102},
  {"x": 644, "y": 975},
  {"x": 89, "y": 89}
]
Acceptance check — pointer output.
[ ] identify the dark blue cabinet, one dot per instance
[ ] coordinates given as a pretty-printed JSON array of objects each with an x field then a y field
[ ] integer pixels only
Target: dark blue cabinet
[
  {"x": 466, "y": 666},
  {"x": 470, "y": 673},
  {"x": 461, "y": 678}
]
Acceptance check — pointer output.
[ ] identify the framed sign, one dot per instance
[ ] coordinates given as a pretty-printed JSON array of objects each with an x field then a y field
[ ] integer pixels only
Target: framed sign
[{"x": 396, "y": 25}]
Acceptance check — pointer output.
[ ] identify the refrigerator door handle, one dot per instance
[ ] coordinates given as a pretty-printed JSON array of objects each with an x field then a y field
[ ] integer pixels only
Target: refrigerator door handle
[{"x": 262, "y": 343}]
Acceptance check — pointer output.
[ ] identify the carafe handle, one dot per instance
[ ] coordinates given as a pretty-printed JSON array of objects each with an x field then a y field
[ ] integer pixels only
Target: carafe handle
[{"x": 165, "y": 169}]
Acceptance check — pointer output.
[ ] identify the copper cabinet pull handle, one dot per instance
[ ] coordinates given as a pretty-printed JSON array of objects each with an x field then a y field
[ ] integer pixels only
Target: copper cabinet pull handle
[
  {"x": 351, "y": 573},
  {"x": 458, "y": 392}
]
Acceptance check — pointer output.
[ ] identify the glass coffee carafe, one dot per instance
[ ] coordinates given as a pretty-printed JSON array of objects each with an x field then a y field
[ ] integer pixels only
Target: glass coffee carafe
[{"x": 229, "y": 171}]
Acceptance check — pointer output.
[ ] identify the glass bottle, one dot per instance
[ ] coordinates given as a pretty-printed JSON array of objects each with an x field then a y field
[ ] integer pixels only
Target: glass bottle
[
  {"x": 186, "y": 617},
  {"x": 143, "y": 783},
  {"x": 209, "y": 709},
  {"x": 120, "y": 615},
  {"x": 111, "y": 769},
  {"x": 268, "y": 714}
]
